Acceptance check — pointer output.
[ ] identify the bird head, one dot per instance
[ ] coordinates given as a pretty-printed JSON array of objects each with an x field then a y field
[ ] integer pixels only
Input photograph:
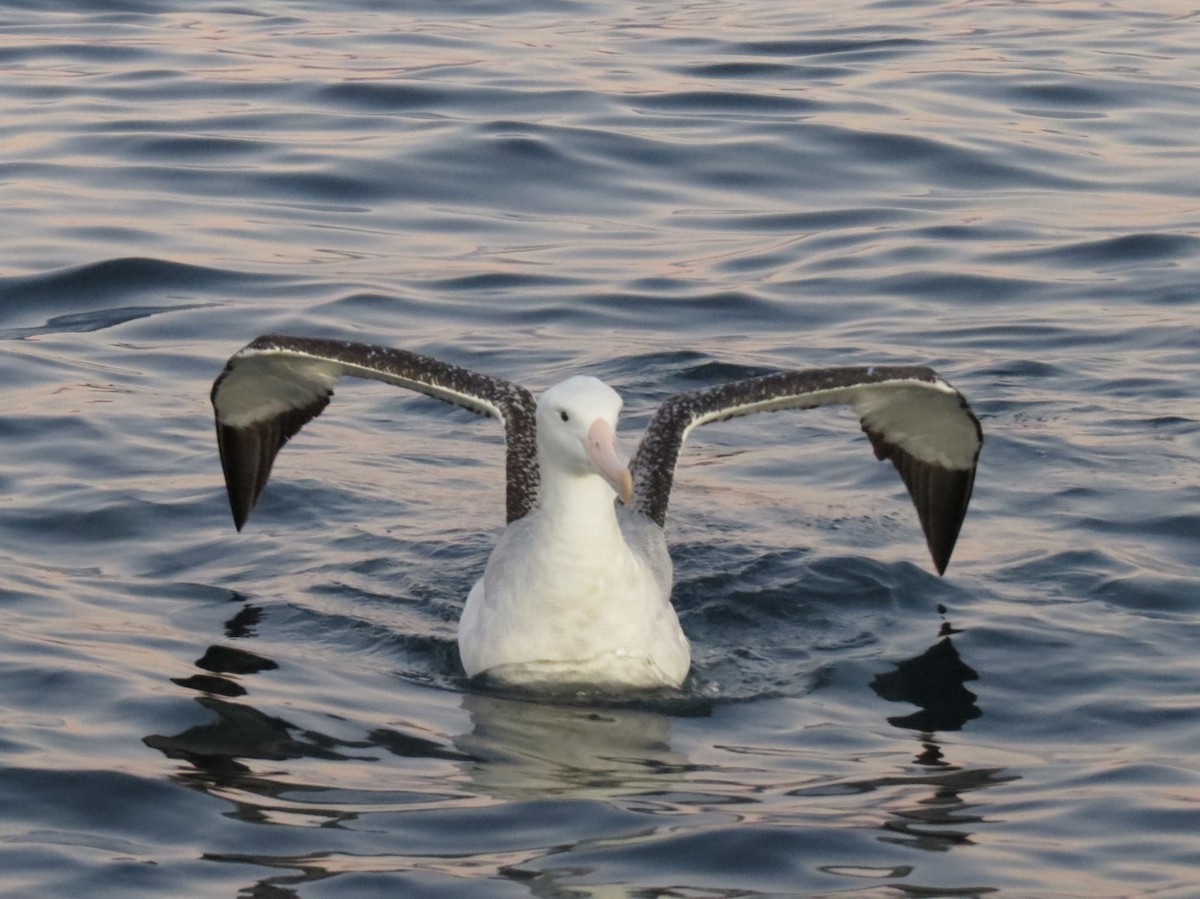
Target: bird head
[{"x": 577, "y": 432}]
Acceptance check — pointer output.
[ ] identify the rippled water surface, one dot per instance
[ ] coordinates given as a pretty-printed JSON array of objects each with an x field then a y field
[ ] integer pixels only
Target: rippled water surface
[{"x": 665, "y": 195}]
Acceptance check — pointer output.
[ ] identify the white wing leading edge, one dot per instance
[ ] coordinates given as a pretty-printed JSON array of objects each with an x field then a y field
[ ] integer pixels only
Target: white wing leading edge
[
  {"x": 912, "y": 417},
  {"x": 274, "y": 386}
]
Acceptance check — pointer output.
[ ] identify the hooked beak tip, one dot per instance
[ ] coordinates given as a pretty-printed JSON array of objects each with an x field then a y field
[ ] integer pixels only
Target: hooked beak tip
[{"x": 625, "y": 488}]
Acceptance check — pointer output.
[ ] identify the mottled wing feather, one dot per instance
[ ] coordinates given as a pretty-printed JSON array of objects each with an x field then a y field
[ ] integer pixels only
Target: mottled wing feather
[
  {"x": 275, "y": 385},
  {"x": 912, "y": 417}
]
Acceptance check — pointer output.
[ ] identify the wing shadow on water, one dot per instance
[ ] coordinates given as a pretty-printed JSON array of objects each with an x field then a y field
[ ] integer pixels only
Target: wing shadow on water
[
  {"x": 934, "y": 681},
  {"x": 527, "y": 742},
  {"x": 519, "y": 745},
  {"x": 522, "y": 751}
]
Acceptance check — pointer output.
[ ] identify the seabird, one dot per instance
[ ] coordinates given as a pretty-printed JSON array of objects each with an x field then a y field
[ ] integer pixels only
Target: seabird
[{"x": 577, "y": 590}]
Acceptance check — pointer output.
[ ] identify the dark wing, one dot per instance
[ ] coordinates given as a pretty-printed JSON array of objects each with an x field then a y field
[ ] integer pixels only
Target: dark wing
[
  {"x": 276, "y": 385},
  {"x": 913, "y": 417}
]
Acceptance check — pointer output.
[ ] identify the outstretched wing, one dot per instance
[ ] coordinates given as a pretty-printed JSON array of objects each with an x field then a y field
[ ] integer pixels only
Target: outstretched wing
[
  {"x": 276, "y": 385},
  {"x": 913, "y": 417}
]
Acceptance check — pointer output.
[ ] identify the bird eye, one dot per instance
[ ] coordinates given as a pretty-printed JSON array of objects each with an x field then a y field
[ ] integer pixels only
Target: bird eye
[{"x": 563, "y": 414}]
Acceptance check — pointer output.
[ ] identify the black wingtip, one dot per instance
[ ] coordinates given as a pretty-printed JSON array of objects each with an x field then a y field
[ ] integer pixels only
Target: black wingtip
[
  {"x": 249, "y": 451},
  {"x": 940, "y": 561},
  {"x": 238, "y": 519},
  {"x": 956, "y": 487},
  {"x": 246, "y": 458},
  {"x": 940, "y": 495},
  {"x": 942, "y": 507}
]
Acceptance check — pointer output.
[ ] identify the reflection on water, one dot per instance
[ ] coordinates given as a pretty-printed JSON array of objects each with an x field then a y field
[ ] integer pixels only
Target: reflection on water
[
  {"x": 529, "y": 750},
  {"x": 661, "y": 195},
  {"x": 943, "y": 819},
  {"x": 525, "y": 757},
  {"x": 516, "y": 748},
  {"x": 933, "y": 681},
  {"x": 242, "y": 732}
]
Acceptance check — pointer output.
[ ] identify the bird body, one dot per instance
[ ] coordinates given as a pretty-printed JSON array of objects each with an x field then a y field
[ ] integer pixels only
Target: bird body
[
  {"x": 577, "y": 590},
  {"x": 576, "y": 605}
]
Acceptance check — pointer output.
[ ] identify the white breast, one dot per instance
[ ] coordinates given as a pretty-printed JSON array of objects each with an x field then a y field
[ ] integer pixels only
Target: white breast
[{"x": 556, "y": 605}]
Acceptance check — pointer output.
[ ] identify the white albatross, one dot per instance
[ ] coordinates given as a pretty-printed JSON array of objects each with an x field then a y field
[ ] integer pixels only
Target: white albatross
[{"x": 578, "y": 589}]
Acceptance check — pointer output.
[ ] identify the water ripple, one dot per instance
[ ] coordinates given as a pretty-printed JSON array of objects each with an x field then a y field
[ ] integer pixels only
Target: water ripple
[{"x": 666, "y": 196}]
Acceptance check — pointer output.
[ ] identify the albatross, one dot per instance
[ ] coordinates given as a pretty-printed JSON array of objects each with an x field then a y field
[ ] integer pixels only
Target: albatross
[{"x": 578, "y": 588}]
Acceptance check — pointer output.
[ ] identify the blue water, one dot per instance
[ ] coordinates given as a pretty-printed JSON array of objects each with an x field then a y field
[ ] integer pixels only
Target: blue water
[{"x": 665, "y": 195}]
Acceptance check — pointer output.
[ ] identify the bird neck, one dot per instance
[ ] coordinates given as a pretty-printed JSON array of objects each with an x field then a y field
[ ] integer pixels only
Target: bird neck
[{"x": 579, "y": 508}]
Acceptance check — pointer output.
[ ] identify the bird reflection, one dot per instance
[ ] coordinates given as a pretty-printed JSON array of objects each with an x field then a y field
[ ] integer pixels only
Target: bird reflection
[
  {"x": 244, "y": 623},
  {"x": 518, "y": 751},
  {"x": 528, "y": 749},
  {"x": 239, "y": 731},
  {"x": 243, "y": 732},
  {"x": 934, "y": 681},
  {"x": 518, "y": 745},
  {"x": 945, "y": 818}
]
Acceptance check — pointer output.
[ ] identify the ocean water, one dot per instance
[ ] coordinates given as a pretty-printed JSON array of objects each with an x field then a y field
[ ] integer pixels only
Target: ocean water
[{"x": 665, "y": 195}]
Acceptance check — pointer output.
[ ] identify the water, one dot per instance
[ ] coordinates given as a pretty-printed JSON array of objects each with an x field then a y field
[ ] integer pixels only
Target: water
[{"x": 665, "y": 195}]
